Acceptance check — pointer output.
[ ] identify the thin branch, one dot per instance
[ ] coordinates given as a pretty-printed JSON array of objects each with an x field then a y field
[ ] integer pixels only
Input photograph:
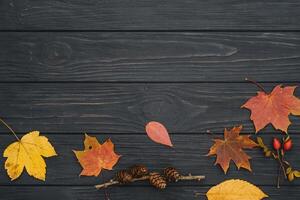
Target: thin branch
[
  {"x": 106, "y": 195},
  {"x": 278, "y": 176},
  {"x": 257, "y": 84},
  {"x": 11, "y": 130},
  {"x": 281, "y": 164},
  {"x": 114, "y": 182},
  {"x": 190, "y": 177},
  {"x": 277, "y": 157}
]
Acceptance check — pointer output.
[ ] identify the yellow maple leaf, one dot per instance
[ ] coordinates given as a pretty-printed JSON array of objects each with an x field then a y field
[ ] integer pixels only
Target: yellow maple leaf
[
  {"x": 28, "y": 152},
  {"x": 235, "y": 189}
]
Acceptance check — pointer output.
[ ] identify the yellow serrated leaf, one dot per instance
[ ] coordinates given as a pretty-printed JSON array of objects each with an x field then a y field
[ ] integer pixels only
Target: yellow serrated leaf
[
  {"x": 288, "y": 170},
  {"x": 296, "y": 173},
  {"x": 260, "y": 142},
  {"x": 291, "y": 176},
  {"x": 235, "y": 189},
  {"x": 28, "y": 153}
]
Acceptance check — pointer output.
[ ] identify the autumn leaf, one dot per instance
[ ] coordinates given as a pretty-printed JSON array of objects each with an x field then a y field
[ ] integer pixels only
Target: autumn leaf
[
  {"x": 235, "y": 189},
  {"x": 28, "y": 152},
  {"x": 231, "y": 148},
  {"x": 273, "y": 108},
  {"x": 96, "y": 157},
  {"x": 158, "y": 133}
]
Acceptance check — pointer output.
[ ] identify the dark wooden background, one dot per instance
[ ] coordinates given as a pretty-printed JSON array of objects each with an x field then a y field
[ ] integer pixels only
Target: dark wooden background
[{"x": 107, "y": 67}]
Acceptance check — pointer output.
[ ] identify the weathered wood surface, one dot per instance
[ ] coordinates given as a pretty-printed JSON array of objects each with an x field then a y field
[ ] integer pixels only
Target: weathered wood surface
[
  {"x": 109, "y": 67},
  {"x": 189, "y": 155},
  {"x": 149, "y": 57},
  {"x": 145, "y": 193},
  {"x": 126, "y": 108},
  {"x": 149, "y": 15}
]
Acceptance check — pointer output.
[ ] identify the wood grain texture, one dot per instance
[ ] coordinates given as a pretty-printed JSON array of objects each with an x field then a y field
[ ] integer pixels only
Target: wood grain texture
[
  {"x": 149, "y": 15},
  {"x": 149, "y": 57},
  {"x": 109, "y": 67},
  {"x": 188, "y": 155},
  {"x": 126, "y": 108},
  {"x": 117, "y": 193}
]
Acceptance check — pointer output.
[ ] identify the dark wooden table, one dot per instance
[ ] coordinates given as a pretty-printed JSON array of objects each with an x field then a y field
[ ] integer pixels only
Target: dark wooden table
[{"x": 106, "y": 67}]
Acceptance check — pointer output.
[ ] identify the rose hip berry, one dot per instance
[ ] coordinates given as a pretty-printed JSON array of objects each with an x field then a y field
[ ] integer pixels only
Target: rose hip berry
[
  {"x": 276, "y": 144},
  {"x": 288, "y": 145}
]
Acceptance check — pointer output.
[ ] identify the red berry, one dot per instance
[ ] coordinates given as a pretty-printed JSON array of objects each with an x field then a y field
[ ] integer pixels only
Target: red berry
[
  {"x": 288, "y": 145},
  {"x": 276, "y": 143}
]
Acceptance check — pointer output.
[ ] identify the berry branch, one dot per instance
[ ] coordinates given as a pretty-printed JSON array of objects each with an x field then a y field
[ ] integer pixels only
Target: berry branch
[
  {"x": 140, "y": 173},
  {"x": 280, "y": 150}
]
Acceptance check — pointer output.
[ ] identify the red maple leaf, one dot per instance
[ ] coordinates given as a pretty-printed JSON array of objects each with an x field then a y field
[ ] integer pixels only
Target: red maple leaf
[
  {"x": 273, "y": 108},
  {"x": 231, "y": 148}
]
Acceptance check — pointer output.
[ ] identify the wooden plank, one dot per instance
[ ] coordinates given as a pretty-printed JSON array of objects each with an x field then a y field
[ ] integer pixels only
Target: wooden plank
[
  {"x": 126, "y": 108},
  {"x": 149, "y": 57},
  {"x": 149, "y": 15},
  {"x": 189, "y": 156},
  {"x": 146, "y": 193}
]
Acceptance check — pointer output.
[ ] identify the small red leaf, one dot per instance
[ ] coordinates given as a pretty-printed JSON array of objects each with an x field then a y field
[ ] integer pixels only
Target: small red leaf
[{"x": 158, "y": 133}]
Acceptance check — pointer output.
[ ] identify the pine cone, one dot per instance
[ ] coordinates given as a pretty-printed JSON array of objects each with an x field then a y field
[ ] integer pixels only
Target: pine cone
[
  {"x": 123, "y": 177},
  {"x": 157, "y": 180},
  {"x": 138, "y": 171},
  {"x": 171, "y": 174}
]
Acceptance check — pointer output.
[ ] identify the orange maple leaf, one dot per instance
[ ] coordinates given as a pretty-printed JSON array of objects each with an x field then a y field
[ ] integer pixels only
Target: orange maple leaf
[
  {"x": 232, "y": 149},
  {"x": 96, "y": 157},
  {"x": 273, "y": 108}
]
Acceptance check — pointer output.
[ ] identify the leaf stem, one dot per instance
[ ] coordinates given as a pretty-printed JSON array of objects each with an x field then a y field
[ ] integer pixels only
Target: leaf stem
[
  {"x": 114, "y": 182},
  {"x": 11, "y": 130},
  {"x": 257, "y": 84},
  {"x": 211, "y": 134}
]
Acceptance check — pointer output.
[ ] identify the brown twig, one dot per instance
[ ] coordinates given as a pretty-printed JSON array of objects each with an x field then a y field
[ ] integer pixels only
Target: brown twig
[
  {"x": 277, "y": 157},
  {"x": 114, "y": 182},
  {"x": 106, "y": 195},
  {"x": 278, "y": 176},
  {"x": 281, "y": 164}
]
